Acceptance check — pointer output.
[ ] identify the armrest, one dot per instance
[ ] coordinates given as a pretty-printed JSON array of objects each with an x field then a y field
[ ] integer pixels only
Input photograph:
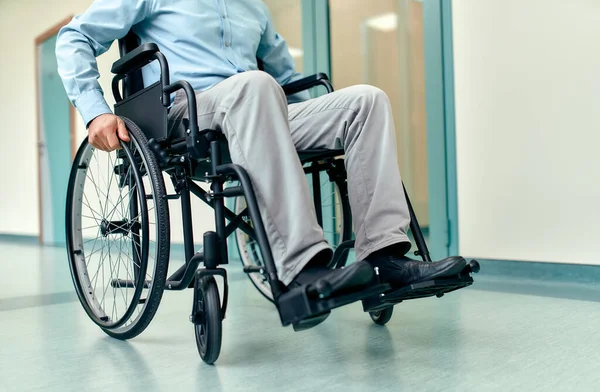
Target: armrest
[
  {"x": 135, "y": 59},
  {"x": 319, "y": 79}
]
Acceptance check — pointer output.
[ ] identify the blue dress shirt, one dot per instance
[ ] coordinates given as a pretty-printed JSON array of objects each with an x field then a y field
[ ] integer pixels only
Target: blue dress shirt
[{"x": 205, "y": 42}]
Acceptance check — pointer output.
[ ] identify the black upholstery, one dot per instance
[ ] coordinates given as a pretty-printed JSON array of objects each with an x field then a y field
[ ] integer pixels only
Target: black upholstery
[
  {"x": 133, "y": 82},
  {"x": 135, "y": 59},
  {"x": 306, "y": 156},
  {"x": 142, "y": 106},
  {"x": 146, "y": 110}
]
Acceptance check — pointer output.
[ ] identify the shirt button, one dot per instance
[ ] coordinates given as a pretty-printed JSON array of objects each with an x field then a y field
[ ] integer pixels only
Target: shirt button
[
  {"x": 224, "y": 16},
  {"x": 227, "y": 43}
]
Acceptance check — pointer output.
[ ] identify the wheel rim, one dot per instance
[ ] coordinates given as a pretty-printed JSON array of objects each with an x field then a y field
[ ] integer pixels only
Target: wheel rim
[
  {"x": 111, "y": 231},
  {"x": 250, "y": 251}
]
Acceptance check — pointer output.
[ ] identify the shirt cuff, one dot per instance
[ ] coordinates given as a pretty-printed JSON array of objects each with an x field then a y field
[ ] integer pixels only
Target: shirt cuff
[{"x": 90, "y": 105}]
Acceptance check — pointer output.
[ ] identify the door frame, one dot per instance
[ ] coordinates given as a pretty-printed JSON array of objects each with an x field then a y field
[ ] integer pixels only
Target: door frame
[
  {"x": 315, "y": 37},
  {"x": 40, "y": 39},
  {"x": 441, "y": 127}
]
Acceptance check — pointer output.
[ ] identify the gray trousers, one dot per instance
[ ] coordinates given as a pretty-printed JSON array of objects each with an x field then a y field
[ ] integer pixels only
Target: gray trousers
[{"x": 264, "y": 132}]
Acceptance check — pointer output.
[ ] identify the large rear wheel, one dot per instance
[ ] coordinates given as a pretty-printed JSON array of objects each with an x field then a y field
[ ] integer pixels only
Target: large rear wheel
[
  {"x": 337, "y": 228},
  {"x": 117, "y": 225}
]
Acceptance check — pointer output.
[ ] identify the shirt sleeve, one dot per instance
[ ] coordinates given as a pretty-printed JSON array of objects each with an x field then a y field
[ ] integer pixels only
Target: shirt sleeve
[
  {"x": 86, "y": 37},
  {"x": 277, "y": 61}
]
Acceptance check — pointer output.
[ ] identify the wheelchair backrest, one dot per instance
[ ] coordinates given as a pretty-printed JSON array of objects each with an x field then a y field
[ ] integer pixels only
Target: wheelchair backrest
[
  {"x": 147, "y": 111},
  {"x": 142, "y": 105},
  {"x": 133, "y": 82}
]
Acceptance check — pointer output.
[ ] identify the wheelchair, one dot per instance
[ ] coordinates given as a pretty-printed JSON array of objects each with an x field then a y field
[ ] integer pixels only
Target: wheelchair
[{"x": 118, "y": 225}]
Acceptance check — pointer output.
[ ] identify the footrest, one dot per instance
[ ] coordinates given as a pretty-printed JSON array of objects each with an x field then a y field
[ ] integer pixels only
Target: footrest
[
  {"x": 297, "y": 307},
  {"x": 430, "y": 288}
]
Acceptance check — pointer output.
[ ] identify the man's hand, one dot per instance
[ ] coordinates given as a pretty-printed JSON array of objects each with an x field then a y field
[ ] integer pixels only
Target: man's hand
[{"x": 105, "y": 131}]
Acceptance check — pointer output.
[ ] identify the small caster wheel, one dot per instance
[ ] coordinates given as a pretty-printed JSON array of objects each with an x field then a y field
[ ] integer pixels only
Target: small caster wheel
[
  {"x": 381, "y": 317},
  {"x": 208, "y": 329}
]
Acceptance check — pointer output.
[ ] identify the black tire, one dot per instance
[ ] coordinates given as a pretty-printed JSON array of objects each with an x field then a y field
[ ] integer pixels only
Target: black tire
[
  {"x": 382, "y": 317},
  {"x": 209, "y": 333},
  {"x": 249, "y": 251},
  {"x": 150, "y": 228}
]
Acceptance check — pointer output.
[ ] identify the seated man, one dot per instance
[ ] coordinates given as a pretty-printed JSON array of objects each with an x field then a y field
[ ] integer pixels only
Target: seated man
[{"x": 214, "y": 45}]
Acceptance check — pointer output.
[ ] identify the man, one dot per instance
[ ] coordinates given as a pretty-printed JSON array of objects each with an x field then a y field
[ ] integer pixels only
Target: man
[{"x": 214, "y": 45}]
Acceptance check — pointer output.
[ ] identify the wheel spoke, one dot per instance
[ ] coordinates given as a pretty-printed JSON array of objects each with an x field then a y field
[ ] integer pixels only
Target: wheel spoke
[
  {"x": 102, "y": 268},
  {"x": 112, "y": 212},
  {"x": 128, "y": 255},
  {"x": 124, "y": 295},
  {"x": 103, "y": 281},
  {"x": 97, "y": 250},
  {"x": 126, "y": 268},
  {"x": 94, "y": 212},
  {"x": 93, "y": 247},
  {"x": 104, "y": 195},
  {"x": 92, "y": 179},
  {"x": 112, "y": 175},
  {"x": 133, "y": 261},
  {"x": 114, "y": 290}
]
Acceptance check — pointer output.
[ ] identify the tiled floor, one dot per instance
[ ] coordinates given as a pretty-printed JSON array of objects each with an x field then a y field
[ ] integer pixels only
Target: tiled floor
[{"x": 497, "y": 335}]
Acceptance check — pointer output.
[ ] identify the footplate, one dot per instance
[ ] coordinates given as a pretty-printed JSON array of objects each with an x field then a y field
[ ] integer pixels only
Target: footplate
[
  {"x": 430, "y": 288},
  {"x": 297, "y": 307}
]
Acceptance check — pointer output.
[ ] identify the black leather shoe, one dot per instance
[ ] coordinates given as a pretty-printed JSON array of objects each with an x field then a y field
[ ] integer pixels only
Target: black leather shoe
[
  {"x": 402, "y": 271},
  {"x": 355, "y": 277}
]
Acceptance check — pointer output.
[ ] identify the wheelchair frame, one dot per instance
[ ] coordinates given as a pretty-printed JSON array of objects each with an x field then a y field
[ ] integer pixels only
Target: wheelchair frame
[
  {"x": 202, "y": 155},
  {"x": 181, "y": 159}
]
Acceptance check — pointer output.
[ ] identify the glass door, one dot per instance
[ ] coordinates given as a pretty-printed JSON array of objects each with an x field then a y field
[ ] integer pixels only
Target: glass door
[{"x": 381, "y": 43}]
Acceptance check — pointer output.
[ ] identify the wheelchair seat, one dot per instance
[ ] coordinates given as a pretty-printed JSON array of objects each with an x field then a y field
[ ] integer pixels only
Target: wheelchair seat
[
  {"x": 316, "y": 154},
  {"x": 306, "y": 156}
]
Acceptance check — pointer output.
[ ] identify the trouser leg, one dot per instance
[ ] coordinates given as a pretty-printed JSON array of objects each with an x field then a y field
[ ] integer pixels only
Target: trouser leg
[
  {"x": 359, "y": 120},
  {"x": 252, "y": 111}
]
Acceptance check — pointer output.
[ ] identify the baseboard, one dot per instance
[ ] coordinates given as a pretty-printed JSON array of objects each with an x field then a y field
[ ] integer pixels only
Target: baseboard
[
  {"x": 510, "y": 269},
  {"x": 19, "y": 238},
  {"x": 540, "y": 271}
]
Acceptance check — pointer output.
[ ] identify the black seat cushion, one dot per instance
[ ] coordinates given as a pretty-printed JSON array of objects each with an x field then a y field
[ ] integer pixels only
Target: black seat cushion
[
  {"x": 306, "y": 156},
  {"x": 318, "y": 154}
]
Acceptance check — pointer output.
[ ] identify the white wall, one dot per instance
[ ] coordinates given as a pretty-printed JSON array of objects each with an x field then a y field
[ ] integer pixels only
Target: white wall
[
  {"x": 20, "y": 23},
  {"x": 527, "y": 77}
]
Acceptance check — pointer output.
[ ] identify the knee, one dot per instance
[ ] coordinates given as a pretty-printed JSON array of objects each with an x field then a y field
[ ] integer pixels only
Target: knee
[
  {"x": 259, "y": 81},
  {"x": 369, "y": 103},
  {"x": 369, "y": 95}
]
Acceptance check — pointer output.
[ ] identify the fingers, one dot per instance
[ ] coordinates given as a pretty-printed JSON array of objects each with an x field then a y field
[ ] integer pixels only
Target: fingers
[
  {"x": 105, "y": 132},
  {"x": 97, "y": 142},
  {"x": 110, "y": 139},
  {"x": 122, "y": 131}
]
